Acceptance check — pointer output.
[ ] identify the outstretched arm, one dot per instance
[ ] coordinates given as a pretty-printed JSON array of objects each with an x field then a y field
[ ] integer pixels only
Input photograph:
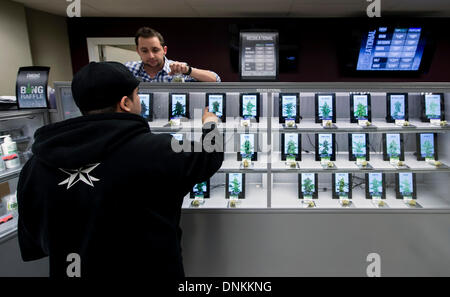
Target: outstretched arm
[{"x": 196, "y": 73}]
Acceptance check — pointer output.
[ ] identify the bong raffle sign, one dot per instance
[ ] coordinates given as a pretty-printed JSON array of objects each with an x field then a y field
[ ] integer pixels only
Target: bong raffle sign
[{"x": 31, "y": 87}]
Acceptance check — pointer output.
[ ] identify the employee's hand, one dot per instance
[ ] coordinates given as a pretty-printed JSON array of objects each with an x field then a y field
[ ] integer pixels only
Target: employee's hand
[
  {"x": 178, "y": 68},
  {"x": 209, "y": 117}
]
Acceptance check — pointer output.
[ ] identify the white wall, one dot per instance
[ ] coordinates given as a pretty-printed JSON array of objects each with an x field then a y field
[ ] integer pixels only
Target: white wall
[
  {"x": 15, "y": 46},
  {"x": 49, "y": 43},
  {"x": 112, "y": 53}
]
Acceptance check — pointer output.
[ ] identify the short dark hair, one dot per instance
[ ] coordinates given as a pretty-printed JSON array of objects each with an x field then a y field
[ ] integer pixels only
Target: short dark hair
[{"x": 147, "y": 32}]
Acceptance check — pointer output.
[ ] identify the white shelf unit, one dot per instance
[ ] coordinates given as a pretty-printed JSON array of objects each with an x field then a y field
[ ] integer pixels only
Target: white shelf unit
[
  {"x": 25, "y": 122},
  {"x": 431, "y": 188}
]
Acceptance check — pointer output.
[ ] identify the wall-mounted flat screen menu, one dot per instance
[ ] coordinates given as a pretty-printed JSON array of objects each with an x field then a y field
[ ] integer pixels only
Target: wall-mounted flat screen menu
[
  {"x": 258, "y": 56},
  {"x": 391, "y": 49}
]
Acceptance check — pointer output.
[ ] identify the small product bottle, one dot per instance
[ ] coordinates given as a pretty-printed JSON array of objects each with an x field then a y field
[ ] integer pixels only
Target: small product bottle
[
  {"x": 11, "y": 203},
  {"x": 10, "y": 155}
]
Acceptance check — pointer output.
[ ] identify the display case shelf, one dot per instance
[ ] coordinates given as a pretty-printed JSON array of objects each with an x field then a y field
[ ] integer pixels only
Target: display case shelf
[
  {"x": 231, "y": 125},
  {"x": 217, "y": 201},
  {"x": 21, "y": 125},
  {"x": 305, "y": 126},
  {"x": 22, "y": 113},
  {"x": 344, "y": 126},
  {"x": 285, "y": 195},
  {"x": 342, "y": 164},
  {"x": 269, "y": 163},
  {"x": 8, "y": 229},
  {"x": 10, "y": 174}
]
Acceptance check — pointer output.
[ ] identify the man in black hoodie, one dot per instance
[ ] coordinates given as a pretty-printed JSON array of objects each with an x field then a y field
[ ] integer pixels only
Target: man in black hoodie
[{"x": 103, "y": 187}]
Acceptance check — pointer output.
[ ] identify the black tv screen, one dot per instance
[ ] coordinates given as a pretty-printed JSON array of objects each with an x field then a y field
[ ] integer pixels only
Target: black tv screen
[{"x": 393, "y": 48}]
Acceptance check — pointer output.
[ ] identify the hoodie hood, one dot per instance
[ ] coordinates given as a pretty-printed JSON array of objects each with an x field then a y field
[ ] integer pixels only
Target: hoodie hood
[{"x": 87, "y": 139}]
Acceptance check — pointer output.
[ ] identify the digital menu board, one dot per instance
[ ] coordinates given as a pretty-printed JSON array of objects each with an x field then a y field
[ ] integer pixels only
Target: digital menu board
[{"x": 258, "y": 56}]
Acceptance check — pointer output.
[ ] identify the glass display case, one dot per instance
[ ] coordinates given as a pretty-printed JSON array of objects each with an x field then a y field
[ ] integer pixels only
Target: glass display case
[
  {"x": 275, "y": 134},
  {"x": 20, "y": 125}
]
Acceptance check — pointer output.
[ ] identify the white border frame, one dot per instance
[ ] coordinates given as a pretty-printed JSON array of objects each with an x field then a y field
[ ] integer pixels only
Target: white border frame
[{"x": 94, "y": 43}]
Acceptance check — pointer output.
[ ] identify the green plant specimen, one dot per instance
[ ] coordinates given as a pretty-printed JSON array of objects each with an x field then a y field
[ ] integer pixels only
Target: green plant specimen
[
  {"x": 433, "y": 109},
  {"x": 405, "y": 187},
  {"x": 393, "y": 149},
  {"x": 376, "y": 187},
  {"x": 358, "y": 148},
  {"x": 428, "y": 148},
  {"x": 308, "y": 186},
  {"x": 324, "y": 148},
  {"x": 178, "y": 110},
  {"x": 215, "y": 107},
  {"x": 249, "y": 108},
  {"x": 360, "y": 111},
  {"x": 342, "y": 185},
  {"x": 199, "y": 188},
  {"x": 291, "y": 148},
  {"x": 235, "y": 186},
  {"x": 247, "y": 148},
  {"x": 397, "y": 108},
  {"x": 326, "y": 110},
  {"x": 289, "y": 110}
]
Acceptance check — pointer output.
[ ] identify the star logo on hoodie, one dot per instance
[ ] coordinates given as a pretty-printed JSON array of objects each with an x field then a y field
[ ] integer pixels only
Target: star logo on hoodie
[{"x": 76, "y": 175}]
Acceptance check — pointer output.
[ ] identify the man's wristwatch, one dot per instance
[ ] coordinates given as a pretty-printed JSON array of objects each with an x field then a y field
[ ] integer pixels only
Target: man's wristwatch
[{"x": 189, "y": 70}]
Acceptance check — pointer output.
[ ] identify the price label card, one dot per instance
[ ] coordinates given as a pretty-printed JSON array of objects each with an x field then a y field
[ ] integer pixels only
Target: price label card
[
  {"x": 344, "y": 200},
  {"x": 245, "y": 123},
  {"x": 400, "y": 122},
  {"x": 324, "y": 161},
  {"x": 409, "y": 201},
  {"x": 199, "y": 198},
  {"x": 327, "y": 123},
  {"x": 430, "y": 160},
  {"x": 290, "y": 159},
  {"x": 290, "y": 123},
  {"x": 394, "y": 160},
  {"x": 435, "y": 122},
  {"x": 363, "y": 122},
  {"x": 175, "y": 121},
  {"x": 308, "y": 201},
  {"x": 360, "y": 161}
]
